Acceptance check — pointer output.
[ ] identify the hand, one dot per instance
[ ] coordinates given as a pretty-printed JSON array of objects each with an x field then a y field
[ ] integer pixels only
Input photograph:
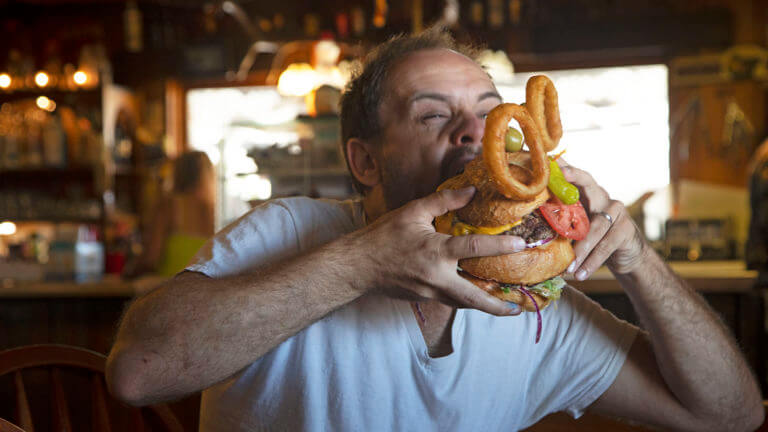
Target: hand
[
  {"x": 411, "y": 260},
  {"x": 616, "y": 242}
]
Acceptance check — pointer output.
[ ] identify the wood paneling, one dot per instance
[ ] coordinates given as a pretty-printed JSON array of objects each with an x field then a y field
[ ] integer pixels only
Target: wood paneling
[{"x": 700, "y": 147}]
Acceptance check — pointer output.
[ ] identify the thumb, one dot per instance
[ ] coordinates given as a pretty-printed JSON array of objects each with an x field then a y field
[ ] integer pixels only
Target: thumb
[{"x": 443, "y": 201}]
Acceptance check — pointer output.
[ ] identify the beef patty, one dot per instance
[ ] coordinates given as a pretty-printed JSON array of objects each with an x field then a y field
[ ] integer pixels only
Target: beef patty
[{"x": 533, "y": 228}]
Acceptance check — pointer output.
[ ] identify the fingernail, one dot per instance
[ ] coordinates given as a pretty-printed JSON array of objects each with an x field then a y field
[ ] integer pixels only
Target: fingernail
[
  {"x": 467, "y": 190},
  {"x": 517, "y": 243},
  {"x": 514, "y": 308},
  {"x": 571, "y": 267},
  {"x": 581, "y": 275}
]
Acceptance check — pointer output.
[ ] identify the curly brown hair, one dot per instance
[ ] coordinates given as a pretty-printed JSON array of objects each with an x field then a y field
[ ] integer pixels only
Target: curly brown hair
[{"x": 362, "y": 97}]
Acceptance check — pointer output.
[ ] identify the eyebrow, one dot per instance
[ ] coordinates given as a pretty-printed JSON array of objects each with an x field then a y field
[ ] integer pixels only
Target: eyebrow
[
  {"x": 428, "y": 95},
  {"x": 489, "y": 94},
  {"x": 444, "y": 98}
]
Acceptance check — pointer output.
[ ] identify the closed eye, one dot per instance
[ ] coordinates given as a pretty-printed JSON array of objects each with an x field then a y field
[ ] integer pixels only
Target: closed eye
[{"x": 433, "y": 117}]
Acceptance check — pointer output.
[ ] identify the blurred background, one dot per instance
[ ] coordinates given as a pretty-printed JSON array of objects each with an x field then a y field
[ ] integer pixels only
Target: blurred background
[{"x": 663, "y": 101}]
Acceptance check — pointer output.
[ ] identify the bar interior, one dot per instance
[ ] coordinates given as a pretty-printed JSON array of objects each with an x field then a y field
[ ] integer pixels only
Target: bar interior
[{"x": 132, "y": 131}]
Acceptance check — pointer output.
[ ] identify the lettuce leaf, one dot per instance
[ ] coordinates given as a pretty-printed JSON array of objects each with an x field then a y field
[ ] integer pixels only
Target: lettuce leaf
[{"x": 550, "y": 289}]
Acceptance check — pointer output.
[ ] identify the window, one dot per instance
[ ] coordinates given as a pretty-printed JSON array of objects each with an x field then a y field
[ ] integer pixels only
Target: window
[{"x": 615, "y": 124}]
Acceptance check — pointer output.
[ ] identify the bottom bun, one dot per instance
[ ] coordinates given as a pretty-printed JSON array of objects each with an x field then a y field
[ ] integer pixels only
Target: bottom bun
[
  {"x": 514, "y": 295},
  {"x": 527, "y": 267}
]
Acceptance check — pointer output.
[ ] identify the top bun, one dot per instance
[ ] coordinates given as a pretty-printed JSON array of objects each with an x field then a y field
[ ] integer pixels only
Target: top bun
[{"x": 489, "y": 207}]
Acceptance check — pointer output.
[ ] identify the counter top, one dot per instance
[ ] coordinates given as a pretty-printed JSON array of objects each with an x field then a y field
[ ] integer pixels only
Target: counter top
[
  {"x": 704, "y": 276},
  {"x": 109, "y": 287}
]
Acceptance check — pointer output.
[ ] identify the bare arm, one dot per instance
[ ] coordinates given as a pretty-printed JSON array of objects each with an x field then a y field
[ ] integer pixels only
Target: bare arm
[
  {"x": 686, "y": 372},
  {"x": 195, "y": 331}
]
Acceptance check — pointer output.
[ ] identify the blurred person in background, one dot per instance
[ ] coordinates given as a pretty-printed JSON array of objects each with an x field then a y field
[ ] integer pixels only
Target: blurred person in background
[{"x": 183, "y": 220}]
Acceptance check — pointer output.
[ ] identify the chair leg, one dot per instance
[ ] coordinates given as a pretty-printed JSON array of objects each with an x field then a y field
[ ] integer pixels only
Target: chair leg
[
  {"x": 60, "y": 417},
  {"x": 99, "y": 412},
  {"x": 23, "y": 415}
]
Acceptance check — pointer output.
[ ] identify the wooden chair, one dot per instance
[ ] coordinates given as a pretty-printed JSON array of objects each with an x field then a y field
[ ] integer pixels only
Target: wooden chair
[
  {"x": 84, "y": 369},
  {"x": 6, "y": 426}
]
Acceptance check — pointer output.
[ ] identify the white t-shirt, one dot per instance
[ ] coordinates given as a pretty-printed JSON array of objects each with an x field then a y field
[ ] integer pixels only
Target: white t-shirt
[{"x": 365, "y": 367}]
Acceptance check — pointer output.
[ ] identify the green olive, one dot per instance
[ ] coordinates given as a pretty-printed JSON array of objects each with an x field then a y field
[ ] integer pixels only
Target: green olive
[
  {"x": 513, "y": 140},
  {"x": 565, "y": 191}
]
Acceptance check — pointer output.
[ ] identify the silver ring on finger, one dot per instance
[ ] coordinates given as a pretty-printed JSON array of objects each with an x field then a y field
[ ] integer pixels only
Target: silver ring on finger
[{"x": 608, "y": 217}]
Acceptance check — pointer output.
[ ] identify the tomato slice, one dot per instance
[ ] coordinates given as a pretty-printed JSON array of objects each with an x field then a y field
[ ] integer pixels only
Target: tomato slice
[{"x": 569, "y": 221}]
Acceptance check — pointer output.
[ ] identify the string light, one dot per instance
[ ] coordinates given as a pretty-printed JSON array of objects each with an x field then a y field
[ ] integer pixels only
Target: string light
[
  {"x": 80, "y": 77},
  {"x": 5, "y": 80},
  {"x": 41, "y": 79}
]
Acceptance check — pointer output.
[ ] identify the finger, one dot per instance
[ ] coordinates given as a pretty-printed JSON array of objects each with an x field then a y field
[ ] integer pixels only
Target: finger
[
  {"x": 593, "y": 196},
  {"x": 599, "y": 226},
  {"x": 600, "y": 253},
  {"x": 479, "y": 245},
  {"x": 442, "y": 202},
  {"x": 468, "y": 295}
]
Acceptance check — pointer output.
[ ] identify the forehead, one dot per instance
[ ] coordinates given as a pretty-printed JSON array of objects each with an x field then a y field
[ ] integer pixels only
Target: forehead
[{"x": 440, "y": 70}]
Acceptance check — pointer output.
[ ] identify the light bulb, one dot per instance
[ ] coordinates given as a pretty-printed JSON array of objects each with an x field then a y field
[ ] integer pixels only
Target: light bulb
[
  {"x": 45, "y": 104},
  {"x": 80, "y": 77},
  {"x": 7, "y": 228},
  {"x": 41, "y": 79}
]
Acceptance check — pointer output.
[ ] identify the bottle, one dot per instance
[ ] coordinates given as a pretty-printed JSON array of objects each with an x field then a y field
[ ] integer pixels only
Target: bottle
[
  {"x": 357, "y": 18},
  {"x": 54, "y": 143},
  {"x": 495, "y": 14},
  {"x": 132, "y": 28},
  {"x": 476, "y": 12}
]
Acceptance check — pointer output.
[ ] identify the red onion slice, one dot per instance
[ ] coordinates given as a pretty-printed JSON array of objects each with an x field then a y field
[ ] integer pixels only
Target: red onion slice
[
  {"x": 538, "y": 313},
  {"x": 538, "y": 243}
]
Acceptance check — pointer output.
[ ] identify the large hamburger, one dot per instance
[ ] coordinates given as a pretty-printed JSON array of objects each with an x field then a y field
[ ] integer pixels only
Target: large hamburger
[{"x": 520, "y": 193}]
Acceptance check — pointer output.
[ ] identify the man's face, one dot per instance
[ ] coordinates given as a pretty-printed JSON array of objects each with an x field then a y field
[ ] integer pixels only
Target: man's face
[{"x": 433, "y": 117}]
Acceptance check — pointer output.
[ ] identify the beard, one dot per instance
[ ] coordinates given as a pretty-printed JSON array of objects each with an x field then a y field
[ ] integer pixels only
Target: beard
[{"x": 401, "y": 184}]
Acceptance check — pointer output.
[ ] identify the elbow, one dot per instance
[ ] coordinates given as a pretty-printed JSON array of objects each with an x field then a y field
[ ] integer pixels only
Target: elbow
[
  {"x": 756, "y": 418},
  {"x": 752, "y": 413},
  {"x": 126, "y": 378},
  {"x": 746, "y": 419}
]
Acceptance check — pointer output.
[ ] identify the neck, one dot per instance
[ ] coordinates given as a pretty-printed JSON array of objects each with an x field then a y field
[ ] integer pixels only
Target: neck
[{"x": 373, "y": 204}]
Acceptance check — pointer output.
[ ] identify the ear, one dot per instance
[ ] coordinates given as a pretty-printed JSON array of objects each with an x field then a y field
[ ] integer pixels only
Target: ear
[{"x": 362, "y": 163}]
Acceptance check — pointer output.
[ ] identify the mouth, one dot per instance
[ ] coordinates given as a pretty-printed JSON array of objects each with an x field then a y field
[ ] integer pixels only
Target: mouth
[{"x": 456, "y": 165}]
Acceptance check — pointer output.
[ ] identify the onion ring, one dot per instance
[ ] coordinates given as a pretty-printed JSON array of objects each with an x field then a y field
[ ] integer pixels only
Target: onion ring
[
  {"x": 495, "y": 156},
  {"x": 541, "y": 103}
]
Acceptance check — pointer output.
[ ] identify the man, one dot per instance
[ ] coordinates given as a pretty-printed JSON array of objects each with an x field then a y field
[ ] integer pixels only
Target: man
[{"x": 299, "y": 316}]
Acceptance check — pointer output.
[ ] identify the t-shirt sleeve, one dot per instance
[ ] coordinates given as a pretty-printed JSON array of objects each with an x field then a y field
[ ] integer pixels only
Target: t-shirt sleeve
[
  {"x": 265, "y": 235},
  {"x": 583, "y": 350}
]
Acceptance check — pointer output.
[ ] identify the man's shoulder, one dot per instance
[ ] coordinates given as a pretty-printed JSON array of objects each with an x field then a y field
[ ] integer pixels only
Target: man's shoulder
[
  {"x": 319, "y": 211},
  {"x": 273, "y": 230}
]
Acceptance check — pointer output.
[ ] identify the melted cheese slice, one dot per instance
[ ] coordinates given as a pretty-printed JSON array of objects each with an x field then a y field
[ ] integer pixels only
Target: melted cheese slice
[{"x": 461, "y": 228}]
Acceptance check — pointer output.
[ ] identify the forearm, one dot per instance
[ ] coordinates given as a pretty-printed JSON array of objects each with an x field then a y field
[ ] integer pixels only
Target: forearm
[
  {"x": 698, "y": 359},
  {"x": 196, "y": 331}
]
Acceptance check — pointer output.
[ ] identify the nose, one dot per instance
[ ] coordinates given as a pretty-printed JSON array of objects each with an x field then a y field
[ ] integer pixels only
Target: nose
[{"x": 469, "y": 131}]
